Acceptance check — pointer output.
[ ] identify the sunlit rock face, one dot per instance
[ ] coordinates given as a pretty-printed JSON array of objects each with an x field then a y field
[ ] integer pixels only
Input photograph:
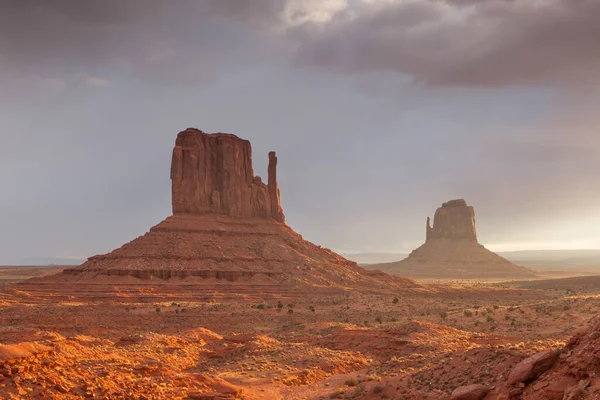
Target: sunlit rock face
[{"x": 212, "y": 173}]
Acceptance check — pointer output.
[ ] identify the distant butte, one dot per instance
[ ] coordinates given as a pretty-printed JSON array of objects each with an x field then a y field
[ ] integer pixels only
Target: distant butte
[
  {"x": 227, "y": 227},
  {"x": 451, "y": 250}
]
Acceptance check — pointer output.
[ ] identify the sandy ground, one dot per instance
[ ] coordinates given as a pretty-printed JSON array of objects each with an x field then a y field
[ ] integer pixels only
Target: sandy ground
[{"x": 413, "y": 344}]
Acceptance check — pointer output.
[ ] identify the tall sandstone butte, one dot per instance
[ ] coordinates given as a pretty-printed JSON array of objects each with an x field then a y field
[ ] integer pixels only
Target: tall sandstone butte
[
  {"x": 453, "y": 220},
  {"x": 213, "y": 174},
  {"x": 227, "y": 226},
  {"x": 451, "y": 250}
]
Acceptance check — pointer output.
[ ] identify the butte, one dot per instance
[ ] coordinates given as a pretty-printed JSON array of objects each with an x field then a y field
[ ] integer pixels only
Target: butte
[
  {"x": 451, "y": 250},
  {"x": 227, "y": 234}
]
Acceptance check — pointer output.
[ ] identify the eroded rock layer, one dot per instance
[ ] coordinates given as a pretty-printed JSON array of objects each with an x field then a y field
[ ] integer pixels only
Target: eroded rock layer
[
  {"x": 208, "y": 247},
  {"x": 451, "y": 250}
]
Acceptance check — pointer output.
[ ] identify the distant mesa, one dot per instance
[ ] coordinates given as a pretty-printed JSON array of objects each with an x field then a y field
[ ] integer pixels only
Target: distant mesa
[
  {"x": 451, "y": 250},
  {"x": 227, "y": 227}
]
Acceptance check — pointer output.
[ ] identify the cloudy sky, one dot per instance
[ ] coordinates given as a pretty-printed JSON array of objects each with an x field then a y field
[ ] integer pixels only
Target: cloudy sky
[{"x": 379, "y": 111}]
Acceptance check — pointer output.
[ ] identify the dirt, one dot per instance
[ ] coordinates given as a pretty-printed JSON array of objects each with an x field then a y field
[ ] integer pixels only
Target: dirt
[{"x": 177, "y": 341}]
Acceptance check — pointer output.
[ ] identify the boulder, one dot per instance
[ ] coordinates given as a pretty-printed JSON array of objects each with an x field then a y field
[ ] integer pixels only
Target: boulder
[
  {"x": 470, "y": 392},
  {"x": 532, "y": 367}
]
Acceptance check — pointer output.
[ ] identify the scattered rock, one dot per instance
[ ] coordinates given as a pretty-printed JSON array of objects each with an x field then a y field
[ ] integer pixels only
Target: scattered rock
[{"x": 576, "y": 392}]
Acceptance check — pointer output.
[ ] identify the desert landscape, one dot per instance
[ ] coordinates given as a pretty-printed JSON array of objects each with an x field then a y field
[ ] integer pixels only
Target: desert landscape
[
  {"x": 299, "y": 200},
  {"x": 222, "y": 300}
]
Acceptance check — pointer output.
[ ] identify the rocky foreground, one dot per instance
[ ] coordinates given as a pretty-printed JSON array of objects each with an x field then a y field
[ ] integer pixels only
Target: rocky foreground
[{"x": 430, "y": 342}]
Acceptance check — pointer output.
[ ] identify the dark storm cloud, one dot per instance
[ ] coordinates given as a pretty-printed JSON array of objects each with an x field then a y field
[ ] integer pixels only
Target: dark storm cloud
[
  {"x": 176, "y": 41},
  {"x": 461, "y": 42}
]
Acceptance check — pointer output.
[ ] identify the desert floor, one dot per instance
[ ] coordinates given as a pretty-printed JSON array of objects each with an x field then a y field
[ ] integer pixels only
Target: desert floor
[{"x": 410, "y": 344}]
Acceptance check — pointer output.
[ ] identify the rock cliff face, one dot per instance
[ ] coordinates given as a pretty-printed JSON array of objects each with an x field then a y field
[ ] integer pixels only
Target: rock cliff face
[
  {"x": 212, "y": 174},
  {"x": 454, "y": 220}
]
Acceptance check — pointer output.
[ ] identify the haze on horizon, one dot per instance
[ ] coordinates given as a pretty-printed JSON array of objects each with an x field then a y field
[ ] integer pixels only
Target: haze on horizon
[{"x": 379, "y": 111}]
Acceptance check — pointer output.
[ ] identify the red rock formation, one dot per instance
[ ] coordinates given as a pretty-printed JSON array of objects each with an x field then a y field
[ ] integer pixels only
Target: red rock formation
[
  {"x": 574, "y": 375},
  {"x": 451, "y": 250},
  {"x": 454, "y": 220},
  {"x": 227, "y": 226},
  {"x": 212, "y": 174},
  {"x": 276, "y": 210}
]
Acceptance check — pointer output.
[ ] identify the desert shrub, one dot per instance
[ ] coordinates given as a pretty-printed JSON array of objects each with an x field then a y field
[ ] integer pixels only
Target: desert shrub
[
  {"x": 291, "y": 305},
  {"x": 183, "y": 310},
  {"x": 311, "y": 308},
  {"x": 358, "y": 391},
  {"x": 443, "y": 314},
  {"x": 489, "y": 319},
  {"x": 395, "y": 301},
  {"x": 290, "y": 311},
  {"x": 507, "y": 317},
  {"x": 566, "y": 307},
  {"x": 157, "y": 309},
  {"x": 378, "y": 388},
  {"x": 260, "y": 306},
  {"x": 351, "y": 382},
  {"x": 279, "y": 304},
  {"x": 378, "y": 319},
  {"x": 468, "y": 313},
  {"x": 496, "y": 307}
]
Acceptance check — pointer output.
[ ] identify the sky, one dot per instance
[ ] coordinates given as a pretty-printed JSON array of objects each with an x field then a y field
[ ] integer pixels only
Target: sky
[{"x": 379, "y": 111}]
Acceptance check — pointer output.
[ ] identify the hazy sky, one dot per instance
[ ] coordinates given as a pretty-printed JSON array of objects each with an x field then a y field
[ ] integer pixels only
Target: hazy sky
[{"x": 379, "y": 111}]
